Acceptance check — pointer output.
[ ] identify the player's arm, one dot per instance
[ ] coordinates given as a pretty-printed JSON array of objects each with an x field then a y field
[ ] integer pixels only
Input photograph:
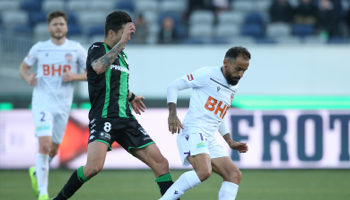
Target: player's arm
[
  {"x": 239, "y": 146},
  {"x": 174, "y": 122},
  {"x": 24, "y": 71},
  {"x": 136, "y": 102},
  {"x": 102, "y": 64}
]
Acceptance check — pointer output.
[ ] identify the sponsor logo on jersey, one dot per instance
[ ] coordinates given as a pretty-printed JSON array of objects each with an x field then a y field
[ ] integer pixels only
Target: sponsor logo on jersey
[
  {"x": 201, "y": 145},
  {"x": 68, "y": 57},
  {"x": 218, "y": 88},
  {"x": 52, "y": 70},
  {"x": 43, "y": 128},
  {"x": 216, "y": 106},
  {"x": 120, "y": 68}
]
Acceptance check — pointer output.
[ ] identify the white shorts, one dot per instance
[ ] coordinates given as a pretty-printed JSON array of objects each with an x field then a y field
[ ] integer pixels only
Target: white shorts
[
  {"x": 49, "y": 123},
  {"x": 192, "y": 143}
]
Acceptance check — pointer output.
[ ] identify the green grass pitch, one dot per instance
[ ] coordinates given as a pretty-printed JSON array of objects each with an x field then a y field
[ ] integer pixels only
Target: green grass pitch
[{"x": 139, "y": 184}]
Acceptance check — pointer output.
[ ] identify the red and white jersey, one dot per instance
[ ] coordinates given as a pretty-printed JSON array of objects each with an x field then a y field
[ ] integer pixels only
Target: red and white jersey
[
  {"x": 211, "y": 98},
  {"x": 51, "y": 92}
]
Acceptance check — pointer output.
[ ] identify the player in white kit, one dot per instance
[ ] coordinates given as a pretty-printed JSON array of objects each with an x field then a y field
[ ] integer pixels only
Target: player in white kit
[
  {"x": 58, "y": 62},
  {"x": 213, "y": 92}
]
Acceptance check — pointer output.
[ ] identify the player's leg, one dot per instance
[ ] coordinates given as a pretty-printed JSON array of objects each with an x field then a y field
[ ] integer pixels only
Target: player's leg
[
  {"x": 43, "y": 122},
  {"x": 199, "y": 159},
  {"x": 135, "y": 139},
  {"x": 95, "y": 160},
  {"x": 231, "y": 175},
  {"x": 152, "y": 157},
  {"x": 42, "y": 165}
]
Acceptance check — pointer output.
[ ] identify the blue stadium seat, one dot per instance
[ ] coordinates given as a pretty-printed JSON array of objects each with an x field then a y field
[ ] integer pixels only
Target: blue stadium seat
[
  {"x": 126, "y": 5},
  {"x": 302, "y": 30},
  {"x": 31, "y": 6},
  {"x": 37, "y": 17},
  {"x": 220, "y": 40},
  {"x": 253, "y": 30},
  {"x": 24, "y": 28},
  {"x": 193, "y": 41},
  {"x": 74, "y": 29},
  {"x": 96, "y": 30},
  {"x": 254, "y": 18},
  {"x": 265, "y": 40},
  {"x": 72, "y": 18},
  {"x": 338, "y": 40}
]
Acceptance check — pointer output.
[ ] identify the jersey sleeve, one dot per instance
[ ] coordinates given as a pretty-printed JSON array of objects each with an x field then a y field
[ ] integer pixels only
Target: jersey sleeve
[
  {"x": 81, "y": 57},
  {"x": 192, "y": 80},
  {"x": 95, "y": 52},
  {"x": 223, "y": 129},
  {"x": 32, "y": 56}
]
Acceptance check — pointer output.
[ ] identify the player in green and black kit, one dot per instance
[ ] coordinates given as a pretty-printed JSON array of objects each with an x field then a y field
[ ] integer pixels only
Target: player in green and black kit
[{"x": 110, "y": 116}]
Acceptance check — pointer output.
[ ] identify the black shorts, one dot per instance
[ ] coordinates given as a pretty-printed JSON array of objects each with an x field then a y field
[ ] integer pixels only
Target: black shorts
[{"x": 127, "y": 132}]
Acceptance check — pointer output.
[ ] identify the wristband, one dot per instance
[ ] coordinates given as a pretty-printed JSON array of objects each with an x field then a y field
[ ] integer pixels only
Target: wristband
[{"x": 132, "y": 97}]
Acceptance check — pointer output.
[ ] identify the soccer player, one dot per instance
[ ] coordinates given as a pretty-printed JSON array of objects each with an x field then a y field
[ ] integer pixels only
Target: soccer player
[
  {"x": 58, "y": 61},
  {"x": 213, "y": 92},
  {"x": 111, "y": 118}
]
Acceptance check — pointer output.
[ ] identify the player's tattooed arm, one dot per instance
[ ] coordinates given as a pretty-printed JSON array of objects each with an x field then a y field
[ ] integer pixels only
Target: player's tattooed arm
[{"x": 102, "y": 64}]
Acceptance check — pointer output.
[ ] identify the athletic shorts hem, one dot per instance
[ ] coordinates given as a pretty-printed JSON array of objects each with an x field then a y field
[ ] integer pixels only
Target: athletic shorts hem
[
  {"x": 142, "y": 146},
  {"x": 109, "y": 146}
]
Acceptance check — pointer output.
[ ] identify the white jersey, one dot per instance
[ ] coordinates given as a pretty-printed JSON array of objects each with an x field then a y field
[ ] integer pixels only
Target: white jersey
[
  {"x": 51, "y": 92},
  {"x": 211, "y": 98}
]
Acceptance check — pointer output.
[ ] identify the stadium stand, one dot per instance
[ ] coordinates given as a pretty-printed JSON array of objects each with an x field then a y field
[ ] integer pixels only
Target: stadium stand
[{"x": 248, "y": 18}]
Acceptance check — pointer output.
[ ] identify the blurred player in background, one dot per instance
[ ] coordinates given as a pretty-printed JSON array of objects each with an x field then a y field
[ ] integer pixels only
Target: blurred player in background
[
  {"x": 213, "y": 92},
  {"x": 58, "y": 60},
  {"x": 111, "y": 118}
]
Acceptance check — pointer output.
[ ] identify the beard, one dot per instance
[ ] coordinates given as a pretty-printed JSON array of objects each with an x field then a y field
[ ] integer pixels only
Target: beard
[
  {"x": 58, "y": 35},
  {"x": 232, "y": 80}
]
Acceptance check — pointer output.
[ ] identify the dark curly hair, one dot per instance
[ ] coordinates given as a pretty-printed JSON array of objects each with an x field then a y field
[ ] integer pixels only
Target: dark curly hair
[
  {"x": 234, "y": 52},
  {"x": 115, "y": 21}
]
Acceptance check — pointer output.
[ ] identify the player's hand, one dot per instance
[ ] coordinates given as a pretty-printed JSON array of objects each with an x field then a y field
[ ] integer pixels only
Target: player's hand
[
  {"x": 129, "y": 29},
  {"x": 240, "y": 147},
  {"x": 138, "y": 105},
  {"x": 68, "y": 76},
  {"x": 32, "y": 80},
  {"x": 174, "y": 124}
]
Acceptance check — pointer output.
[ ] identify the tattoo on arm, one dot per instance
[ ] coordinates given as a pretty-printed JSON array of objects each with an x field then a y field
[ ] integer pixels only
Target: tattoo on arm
[{"x": 103, "y": 63}]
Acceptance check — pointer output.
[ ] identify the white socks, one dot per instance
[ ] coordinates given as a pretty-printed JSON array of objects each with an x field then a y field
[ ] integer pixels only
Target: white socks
[
  {"x": 228, "y": 191},
  {"x": 185, "y": 182},
  {"x": 42, "y": 172}
]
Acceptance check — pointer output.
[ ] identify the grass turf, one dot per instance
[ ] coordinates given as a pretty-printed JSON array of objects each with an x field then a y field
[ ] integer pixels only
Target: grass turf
[{"x": 139, "y": 184}]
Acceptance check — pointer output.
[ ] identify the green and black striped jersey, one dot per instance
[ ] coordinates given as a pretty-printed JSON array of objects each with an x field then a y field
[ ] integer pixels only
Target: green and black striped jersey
[{"x": 108, "y": 92}]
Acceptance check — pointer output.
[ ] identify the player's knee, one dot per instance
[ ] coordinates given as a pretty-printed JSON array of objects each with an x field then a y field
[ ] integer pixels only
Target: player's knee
[
  {"x": 204, "y": 173},
  {"x": 164, "y": 164},
  {"x": 53, "y": 152},
  {"x": 44, "y": 148},
  {"x": 237, "y": 176}
]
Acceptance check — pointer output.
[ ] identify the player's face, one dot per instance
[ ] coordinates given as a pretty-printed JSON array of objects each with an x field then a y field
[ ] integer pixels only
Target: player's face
[
  {"x": 58, "y": 28},
  {"x": 234, "y": 69}
]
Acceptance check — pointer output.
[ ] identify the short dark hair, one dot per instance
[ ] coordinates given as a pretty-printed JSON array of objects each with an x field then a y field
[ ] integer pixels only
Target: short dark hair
[
  {"x": 234, "y": 52},
  {"x": 115, "y": 21},
  {"x": 55, "y": 14}
]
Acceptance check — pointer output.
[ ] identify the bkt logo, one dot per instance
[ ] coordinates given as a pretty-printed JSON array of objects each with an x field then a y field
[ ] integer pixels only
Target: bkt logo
[{"x": 293, "y": 135}]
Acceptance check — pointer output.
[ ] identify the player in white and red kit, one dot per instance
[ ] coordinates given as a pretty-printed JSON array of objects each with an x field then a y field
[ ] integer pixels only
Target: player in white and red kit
[
  {"x": 212, "y": 95},
  {"x": 58, "y": 62}
]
